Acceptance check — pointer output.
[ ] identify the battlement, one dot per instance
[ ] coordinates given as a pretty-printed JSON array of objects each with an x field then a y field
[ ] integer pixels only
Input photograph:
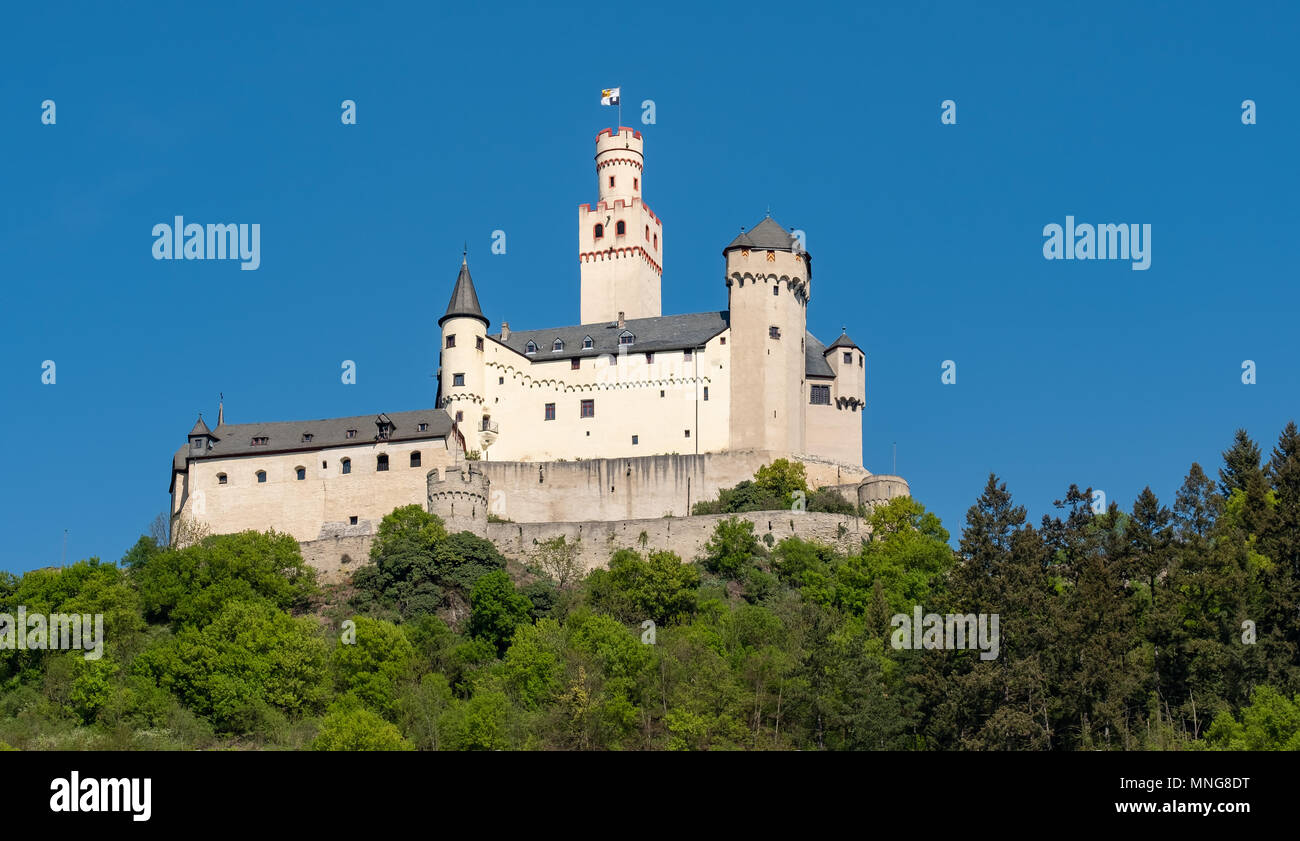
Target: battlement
[
  {"x": 459, "y": 497},
  {"x": 607, "y": 139}
]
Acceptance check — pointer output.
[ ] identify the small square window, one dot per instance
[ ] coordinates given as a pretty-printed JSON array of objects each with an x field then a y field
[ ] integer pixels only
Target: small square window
[
  {"x": 221, "y": 478},
  {"x": 588, "y": 409},
  {"x": 424, "y": 427},
  {"x": 635, "y": 440},
  {"x": 723, "y": 340},
  {"x": 324, "y": 465},
  {"x": 688, "y": 433},
  {"x": 478, "y": 343},
  {"x": 774, "y": 332},
  {"x": 686, "y": 354},
  {"x": 451, "y": 340},
  {"x": 550, "y": 411},
  {"x": 415, "y": 459},
  {"x": 649, "y": 357},
  {"x": 848, "y": 358},
  {"x": 351, "y": 433},
  {"x": 261, "y": 476},
  {"x": 575, "y": 364},
  {"x": 457, "y": 379},
  {"x": 302, "y": 473},
  {"x": 352, "y": 521}
]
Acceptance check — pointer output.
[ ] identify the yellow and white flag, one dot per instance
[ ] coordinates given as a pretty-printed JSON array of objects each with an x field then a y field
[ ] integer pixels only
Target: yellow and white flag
[{"x": 609, "y": 96}]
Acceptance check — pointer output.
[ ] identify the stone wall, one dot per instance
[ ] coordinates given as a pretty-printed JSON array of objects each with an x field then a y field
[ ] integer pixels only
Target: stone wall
[{"x": 598, "y": 539}]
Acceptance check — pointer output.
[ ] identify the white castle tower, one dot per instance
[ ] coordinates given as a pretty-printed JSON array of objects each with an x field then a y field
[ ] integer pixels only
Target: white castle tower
[
  {"x": 769, "y": 282},
  {"x": 461, "y": 369},
  {"x": 620, "y": 240}
]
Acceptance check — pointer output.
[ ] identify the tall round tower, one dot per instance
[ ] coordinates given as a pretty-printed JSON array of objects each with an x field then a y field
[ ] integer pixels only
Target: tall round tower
[
  {"x": 620, "y": 239},
  {"x": 768, "y": 285},
  {"x": 462, "y": 369}
]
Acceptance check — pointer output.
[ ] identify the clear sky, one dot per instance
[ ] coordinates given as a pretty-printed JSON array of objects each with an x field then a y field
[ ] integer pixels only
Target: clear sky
[{"x": 927, "y": 238}]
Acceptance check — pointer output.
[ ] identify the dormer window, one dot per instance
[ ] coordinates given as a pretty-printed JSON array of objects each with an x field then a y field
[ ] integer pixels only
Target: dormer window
[
  {"x": 557, "y": 346},
  {"x": 385, "y": 425},
  {"x": 259, "y": 441},
  {"x": 351, "y": 433},
  {"x": 306, "y": 437},
  {"x": 424, "y": 427},
  {"x": 196, "y": 443},
  {"x": 626, "y": 338},
  {"x": 530, "y": 348},
  {"x": 587, "y": 343}
]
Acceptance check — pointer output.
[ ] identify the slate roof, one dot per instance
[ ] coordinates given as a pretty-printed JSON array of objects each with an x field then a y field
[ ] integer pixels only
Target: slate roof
[
  {"x": 844, "y": 341},
  {"x": 236, "y": 439},
  {"x": 767, "y": 235},
  {"x": 200, "y": 428},
  {"x": 667, "y": 332},
  {"x": 814, "y": 358},
  {"x": 464, "y": 299}
]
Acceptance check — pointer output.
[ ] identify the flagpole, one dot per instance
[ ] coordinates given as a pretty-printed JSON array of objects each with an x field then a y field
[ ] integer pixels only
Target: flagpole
[{"x": 618, "y": 129}]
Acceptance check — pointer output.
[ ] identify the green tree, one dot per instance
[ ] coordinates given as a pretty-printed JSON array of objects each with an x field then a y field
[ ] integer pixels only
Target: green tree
[
  {"x": 497, "y": 609},
  {"x": 358, "y": 729}
]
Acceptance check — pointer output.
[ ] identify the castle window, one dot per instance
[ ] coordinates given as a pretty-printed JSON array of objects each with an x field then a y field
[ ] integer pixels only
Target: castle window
[
  {"x": 588, "y": 409},
  {"x": 706, "y": 392},
  {"x": 300, "y": 472},
  {"x": 774, "y": 332},
  {"x": 501, "y": 380},
  {"x": 346, "y": 465},
  {"x": 352, "y": 521},
  {"x": 661, "y": 392},
  {"x": 598, "y": 232},
  {"x": 550, "y": 411},
  {"x": 196, "y": 444},
  {"x": 647, "y": 233},
  {"x": 306, "y": 437},
  {"x": 620, "y": 227},
  {"x": 611, "y": 181},
  {"x": 848, "y": 359},
  {"x": 776, "y": 289},
  {"x": 636, "y": 183},
  {"x": 261, "y": 476},
  {"x": 460, "y": 416},
  {"x": 688, "y": 432},
  {"x": 649, "y": 357},
  {"x": 424, "y": 427},
  {"x": 221, "y": 478},
  {"x": 626, "y": 338},
  {"x": 557, "y": 346},
  {"x": 457, "y": 379},
  {"x": 686, "y": 355},
  {"x": 259, "y": 441},
  {"x": 530, "y": 348},
  {"x": 324, "y": 465},
  {"x": 415, "y": 459},
  {"x": 723, "y": 340},
  {"x": 451, "y": 340},
  {"x": 478, "y": 343},
  {"x": 635, "y": 440},
  {"x": 587, "y": 343},
  {"x": 575, "y": 364},
  {"x": 656, "y": 242},
  {"x": 381, "y": 463},
  {"x": 820, "y": 395},
  {"x": 351, "y": 433}
]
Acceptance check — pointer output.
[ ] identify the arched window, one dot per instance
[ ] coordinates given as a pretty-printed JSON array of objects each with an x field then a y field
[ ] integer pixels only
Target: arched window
[
  {"x": 300, "y": 472},
  {"x": 598, "y": 232},
  {"x": 587, "y": 343},
  {"x": 346, "y": 465},
  {"x": 647, "y": 233},
  {"x": 620, "y": 227},
  {"x": 557, "y": 345},
  {"x": 415, "y": 459},
  {"x": 381, "y": 463},
  {"x": 221, "y": 478},
  {"x": 626, "y": 338},
  {"x": 656, "y": 242},
  {"x": 531, "y": 347},
  {"x": 261, "y": 476}
]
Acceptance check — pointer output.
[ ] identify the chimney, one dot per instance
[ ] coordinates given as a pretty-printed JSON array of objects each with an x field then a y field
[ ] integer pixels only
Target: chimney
[
  {"x": 620, "y": 318},
  {"x": 505, "y": 331}
]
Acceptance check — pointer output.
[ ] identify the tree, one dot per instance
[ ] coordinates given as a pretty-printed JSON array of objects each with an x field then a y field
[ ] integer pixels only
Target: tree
[
  {"x": 496, "y": 610},
  {"x": 358, "y": 729},
  {"x": 374, "y": 664},
  {"x": 635, "y": 588},
  {"x": 731, "y": 548},
  {"x": 560, "y": 560},
  {"x": 782, "y": 479}
]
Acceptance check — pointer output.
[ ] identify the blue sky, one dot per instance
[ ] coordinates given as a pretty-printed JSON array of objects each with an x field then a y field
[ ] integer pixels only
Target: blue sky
[{"x": 927, "y": 238}]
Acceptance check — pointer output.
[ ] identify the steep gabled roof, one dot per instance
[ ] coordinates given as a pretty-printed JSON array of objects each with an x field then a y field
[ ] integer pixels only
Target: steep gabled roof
[
  {"x": 200, "y": 428},
  {"x": 464, "y": 299},
  {"x": 666, "y": 332}
]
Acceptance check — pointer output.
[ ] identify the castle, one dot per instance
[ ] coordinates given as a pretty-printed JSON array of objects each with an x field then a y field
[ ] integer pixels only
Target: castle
[{"x": 628, "y": 415}]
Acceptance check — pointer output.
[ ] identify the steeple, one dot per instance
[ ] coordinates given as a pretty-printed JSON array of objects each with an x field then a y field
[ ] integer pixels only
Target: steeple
[
  {"x": 464, "y": 300},
  {"x": 200, "y": 428}
]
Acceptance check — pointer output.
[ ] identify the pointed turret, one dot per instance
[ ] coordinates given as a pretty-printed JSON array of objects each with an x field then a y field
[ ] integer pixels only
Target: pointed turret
[
  {"x": 464, "y": 300},
  {"x": 200, "y": 428}
]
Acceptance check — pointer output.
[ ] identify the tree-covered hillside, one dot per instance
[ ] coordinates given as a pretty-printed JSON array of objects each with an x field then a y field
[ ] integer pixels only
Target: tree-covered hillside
[{"x": 1170, "y": 626}]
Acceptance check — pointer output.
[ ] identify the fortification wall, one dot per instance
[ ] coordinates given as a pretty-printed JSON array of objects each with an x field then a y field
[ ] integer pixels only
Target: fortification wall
[
  {"x": 645, "y": 487},
  {"x": 338, "y": 556}
]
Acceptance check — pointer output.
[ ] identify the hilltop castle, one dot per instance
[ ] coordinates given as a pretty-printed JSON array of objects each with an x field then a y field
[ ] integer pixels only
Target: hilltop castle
[{"x": 627, "y": 414}]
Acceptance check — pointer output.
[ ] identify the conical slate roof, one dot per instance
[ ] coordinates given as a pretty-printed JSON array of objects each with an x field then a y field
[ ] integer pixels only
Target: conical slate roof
[
  {"x": 767, "y": 235},
  {"x": 200, "y": 428},
  {"x": 464, "y": 300},
  {"x": 843, "y": 341}
]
